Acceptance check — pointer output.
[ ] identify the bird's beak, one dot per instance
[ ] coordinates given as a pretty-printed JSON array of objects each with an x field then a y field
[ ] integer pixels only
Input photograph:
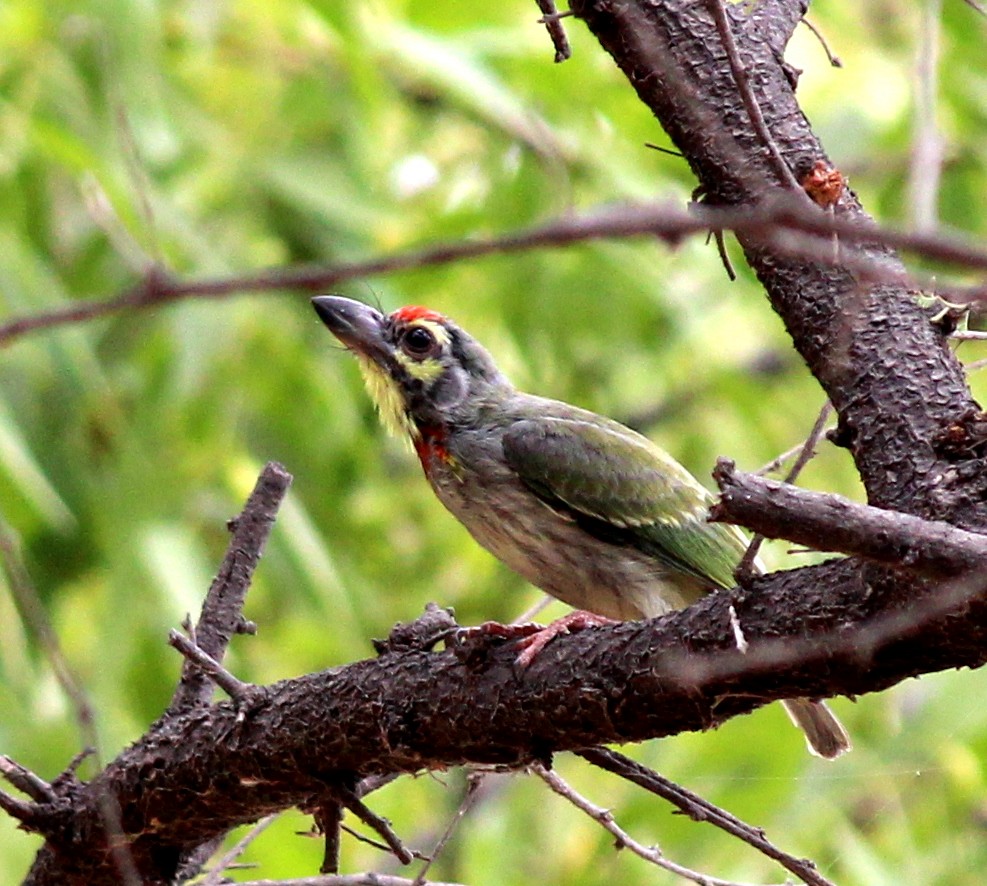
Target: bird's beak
[{"x": 358, "y": 326}]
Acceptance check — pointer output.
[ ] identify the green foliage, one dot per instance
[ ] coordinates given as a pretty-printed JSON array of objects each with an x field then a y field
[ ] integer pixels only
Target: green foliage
[{"x": 220, "y": 137}]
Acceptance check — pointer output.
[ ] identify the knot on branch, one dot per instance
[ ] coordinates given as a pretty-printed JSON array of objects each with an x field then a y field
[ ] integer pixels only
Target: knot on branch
[{"x": 433, "y": 625}]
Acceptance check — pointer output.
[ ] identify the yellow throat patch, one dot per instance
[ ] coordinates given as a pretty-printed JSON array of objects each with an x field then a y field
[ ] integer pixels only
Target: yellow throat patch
[
  {"x": 388, "y": 399},
  {"x": 386, "y": 393}
]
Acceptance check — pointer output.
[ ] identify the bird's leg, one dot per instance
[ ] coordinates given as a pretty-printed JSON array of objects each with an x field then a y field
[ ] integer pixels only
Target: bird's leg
[{"x": 534, "y": 642}]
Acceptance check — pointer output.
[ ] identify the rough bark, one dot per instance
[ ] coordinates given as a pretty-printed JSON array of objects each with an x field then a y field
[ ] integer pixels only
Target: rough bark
[
  {"x": 895, "y": 385},
  {"x": 841, "y": 628}
]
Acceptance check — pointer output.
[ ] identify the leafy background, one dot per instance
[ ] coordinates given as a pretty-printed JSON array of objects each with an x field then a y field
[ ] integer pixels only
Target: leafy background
[{"x": 219, "y": 137}]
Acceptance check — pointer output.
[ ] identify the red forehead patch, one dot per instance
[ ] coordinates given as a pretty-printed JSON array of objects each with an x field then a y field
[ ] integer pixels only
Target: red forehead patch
[{"x": 414, "y": 312}]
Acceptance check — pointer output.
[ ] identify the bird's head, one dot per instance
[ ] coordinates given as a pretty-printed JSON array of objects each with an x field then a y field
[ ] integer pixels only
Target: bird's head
[{"x": 421, "y": 370}]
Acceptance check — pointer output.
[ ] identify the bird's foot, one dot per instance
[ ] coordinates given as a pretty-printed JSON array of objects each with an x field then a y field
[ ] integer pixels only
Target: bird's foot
[{"x": 533, "y": 642}]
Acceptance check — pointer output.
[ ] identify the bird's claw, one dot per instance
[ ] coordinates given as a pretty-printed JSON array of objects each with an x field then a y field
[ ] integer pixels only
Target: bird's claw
[
  {"x": 533, "y": 637},
  {"x": 532, "y": 645}
]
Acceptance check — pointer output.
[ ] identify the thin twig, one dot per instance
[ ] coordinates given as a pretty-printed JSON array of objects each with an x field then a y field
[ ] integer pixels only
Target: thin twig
[
  {"x": 805, "y": 454},
  {"x": 809, "y": 446},
  {"x": 721, "y": 249},
  {"x": 776, "y": 463},
  {"x": 32, "y": 610},
  {"x": 381, "y": 825},
  {"x": 214, "y": 877},
  {"x": 370, "y": 878},
  {"x": 234, "y": 688},
  {"x": 791, "y": 228},
  {"x": 701, "y": 810},
  {"x": 623, "y": 840},
  {"x": 670, "y": 151},
  {"x": 473, "y": 782},
  {"x": 834, "y": 60},
  {"x": 723, "y": 28}
]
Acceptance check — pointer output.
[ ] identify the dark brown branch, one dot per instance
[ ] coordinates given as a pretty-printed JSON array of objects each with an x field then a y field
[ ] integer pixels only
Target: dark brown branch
[
  {"x": 381, "y": 825},
  {"x": 209, "y": 769},
  {"x": 25, "y": 780},
  {"x": 886, "y": 370},
  {"x": 826, "y": 522},
  {"x": 552, "y": 20},
  {"x": 222, "y": 611},
  {"x": 329, "y": 819}
]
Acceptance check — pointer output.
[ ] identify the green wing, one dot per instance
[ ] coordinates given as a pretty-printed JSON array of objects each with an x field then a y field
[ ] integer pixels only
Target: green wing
[{"x": 620, "y": 486}]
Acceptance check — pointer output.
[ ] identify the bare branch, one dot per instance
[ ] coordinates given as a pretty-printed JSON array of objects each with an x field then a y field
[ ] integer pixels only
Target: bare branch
[
  {"x": 826, "y": 522},
  {"x": 473, "y": 784},
  {"x": 222, "y": 611},
  {"x": 381, "y": 825},
  {"x": 701, "y": 810},
  {"x": 791, "y": 227},
  {"x": 552, "y": 20},
  {"x": 623, "y": 840},
  {"x": 834, "y": 60},
  {"x": 25, "y": 780}
]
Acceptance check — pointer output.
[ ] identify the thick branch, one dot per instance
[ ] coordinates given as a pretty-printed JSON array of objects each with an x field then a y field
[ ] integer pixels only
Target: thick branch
[
  {"x": 211, "y": 768},
  {"x": 895, "y": 385},
  {"x": 931, "y": 549}
]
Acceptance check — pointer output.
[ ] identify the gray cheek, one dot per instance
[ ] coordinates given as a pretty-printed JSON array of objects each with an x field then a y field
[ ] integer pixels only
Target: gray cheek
[{"x": 450, "y": 389}]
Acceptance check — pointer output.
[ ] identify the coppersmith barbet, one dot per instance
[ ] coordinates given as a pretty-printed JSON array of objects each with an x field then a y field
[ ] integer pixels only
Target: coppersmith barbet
[{"x": 578, "y": 504}]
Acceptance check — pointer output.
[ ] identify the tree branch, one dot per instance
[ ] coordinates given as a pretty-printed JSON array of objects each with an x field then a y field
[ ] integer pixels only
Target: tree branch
[
  {"x": 791, "y": 226},
  {"x": 825, "y": 522},
  {"x": 222, "y": 611}
]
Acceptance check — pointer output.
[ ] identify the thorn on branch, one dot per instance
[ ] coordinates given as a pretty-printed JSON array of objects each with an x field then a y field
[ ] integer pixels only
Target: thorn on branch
[
  {"x": 721, "y": 248},
  {"x": 669, "y": 151}
]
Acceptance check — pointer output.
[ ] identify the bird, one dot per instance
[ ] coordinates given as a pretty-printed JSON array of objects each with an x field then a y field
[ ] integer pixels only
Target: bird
[{"x": 580, "y": 505}]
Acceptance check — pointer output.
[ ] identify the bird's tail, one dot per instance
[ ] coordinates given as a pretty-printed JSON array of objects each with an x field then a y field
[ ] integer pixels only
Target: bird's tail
[{"x": 824, "y": 734}]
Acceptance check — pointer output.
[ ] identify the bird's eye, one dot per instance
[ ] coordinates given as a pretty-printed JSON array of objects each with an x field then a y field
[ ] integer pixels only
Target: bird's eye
[{"x": 418, "y": 341}]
